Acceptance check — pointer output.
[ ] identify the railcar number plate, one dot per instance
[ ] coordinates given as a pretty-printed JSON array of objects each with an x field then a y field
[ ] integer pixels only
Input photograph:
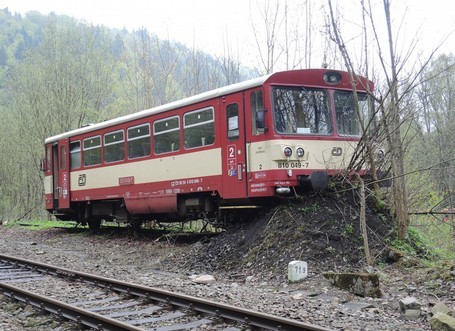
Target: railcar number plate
[
  {"x": 292, "y": 165},
  {"x": 126, "y": 180}
]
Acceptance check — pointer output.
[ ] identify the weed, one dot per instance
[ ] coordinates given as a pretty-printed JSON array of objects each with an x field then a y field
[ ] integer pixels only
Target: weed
[
  {"x": 309, "y": 209},
  {"x": 347, "y": 230}
]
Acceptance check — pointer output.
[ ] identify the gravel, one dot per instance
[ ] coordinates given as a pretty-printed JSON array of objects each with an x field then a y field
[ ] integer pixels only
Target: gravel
[{"x": 164, "y": 264}]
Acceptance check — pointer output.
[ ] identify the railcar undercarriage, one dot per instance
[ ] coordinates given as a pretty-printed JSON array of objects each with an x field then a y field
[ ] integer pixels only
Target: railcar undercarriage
[{"x": 206, "y": 207}]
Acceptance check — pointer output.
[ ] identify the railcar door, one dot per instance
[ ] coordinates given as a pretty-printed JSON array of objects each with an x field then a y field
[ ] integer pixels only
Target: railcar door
[
  {"x": 62, "y": 176},
  {"x": 233, "y": 147}
]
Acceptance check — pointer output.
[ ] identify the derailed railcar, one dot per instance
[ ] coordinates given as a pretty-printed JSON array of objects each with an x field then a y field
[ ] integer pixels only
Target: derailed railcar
[{"x": 208, "y": 155}]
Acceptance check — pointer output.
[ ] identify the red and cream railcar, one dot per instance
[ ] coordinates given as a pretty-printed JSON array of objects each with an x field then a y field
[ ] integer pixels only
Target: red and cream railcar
[{"x": 233, "y": 147}]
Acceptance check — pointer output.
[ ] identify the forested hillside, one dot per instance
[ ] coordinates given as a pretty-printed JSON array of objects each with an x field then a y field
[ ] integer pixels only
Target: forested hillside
[{"x": 57, "y": 74}]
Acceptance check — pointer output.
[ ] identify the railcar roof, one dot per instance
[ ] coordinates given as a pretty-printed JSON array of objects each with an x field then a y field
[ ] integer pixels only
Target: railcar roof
[{"x": 159, "y": 109}]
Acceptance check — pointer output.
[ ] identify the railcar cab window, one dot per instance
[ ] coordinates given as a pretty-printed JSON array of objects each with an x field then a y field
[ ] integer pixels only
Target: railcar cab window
[
  {"x": 347, "y": 117},
  {"x": 166, "y": 133},
  {"x": 114, "y": 146},
  {"x": 75, "y": 155},
  {"x": 257, "y": 104},
  {"x": 139, "y": 141},
  {"x": 199, "y": 128},
  {"x": 92, "y": 151},
  {"x": 301, "y": 111},
  {"x": 232, "y": 112}
]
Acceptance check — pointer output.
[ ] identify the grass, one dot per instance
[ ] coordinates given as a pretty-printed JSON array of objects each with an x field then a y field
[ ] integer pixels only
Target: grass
[
  {"x": 193, "y": 226},
  {"x": 40, "y": 224}
]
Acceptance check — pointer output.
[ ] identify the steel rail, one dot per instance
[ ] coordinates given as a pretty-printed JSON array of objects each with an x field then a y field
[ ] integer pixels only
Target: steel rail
[
  {"x": 67, "y": 311},
  {"x": 245, "y": 316}
]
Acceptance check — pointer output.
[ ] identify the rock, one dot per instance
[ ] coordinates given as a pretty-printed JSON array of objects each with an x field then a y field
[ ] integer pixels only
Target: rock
[
  {"x": 410, "y": 308},
  {"x": 440, "y": 308},
  {"x": 358, "y": 305},
  {"x": 409, "y": 303},
  {"x": 442, "y": 322},
  {"x": 203, "y": 279},
  {"x": 369, "y": 269},
  {"x": 361, "y": 284},
  {"x": 249, "y": 279},
  {"x": 393, "y": 255},
  {"x": 411, "y": 314}
]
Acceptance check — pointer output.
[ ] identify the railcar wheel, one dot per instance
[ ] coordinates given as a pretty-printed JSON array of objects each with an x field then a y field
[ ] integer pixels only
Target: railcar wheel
[
  {"x": 136, "y": 225},
  {"x": 94, "y": 224}
]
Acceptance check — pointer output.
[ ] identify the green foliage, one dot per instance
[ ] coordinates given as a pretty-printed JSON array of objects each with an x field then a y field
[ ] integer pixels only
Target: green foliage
[
  {"x": 313, "y": 208},
  {"x": 40, "y": 224},
  {"x": 348, "y": 230},
  {"x": 418, "y": 246}
]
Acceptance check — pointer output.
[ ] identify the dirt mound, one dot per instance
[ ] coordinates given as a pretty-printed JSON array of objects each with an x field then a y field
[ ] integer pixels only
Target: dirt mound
[{"x": 322, "y": 229}]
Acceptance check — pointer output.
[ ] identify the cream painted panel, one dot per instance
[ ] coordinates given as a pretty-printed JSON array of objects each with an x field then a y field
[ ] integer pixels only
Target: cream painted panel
[
  {"x": 197, "y": 164},
  {"x": 265, "y": 155}
]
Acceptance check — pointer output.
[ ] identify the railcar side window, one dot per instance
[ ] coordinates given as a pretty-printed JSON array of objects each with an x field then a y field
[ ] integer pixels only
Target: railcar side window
[
  {"x": 92, "y": 151},
  {"x": 114, "y": 146},
  {"x": 347, "y": 118},
  {"x": 257, "y": 103},
  {"x": 166, "y": 133},
  {"x": 75, "y": 155},
  {"x": 62, "y": 157},
  {"x": 301, "y": 111},
  {"x": 232, "y": 112},
  {"x": 199, "y": 128},
  {"x": 139, "y": 141}
]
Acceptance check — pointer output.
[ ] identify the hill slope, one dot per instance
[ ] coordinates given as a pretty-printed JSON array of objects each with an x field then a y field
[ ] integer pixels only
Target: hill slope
[{"x": 322, "y": 229}]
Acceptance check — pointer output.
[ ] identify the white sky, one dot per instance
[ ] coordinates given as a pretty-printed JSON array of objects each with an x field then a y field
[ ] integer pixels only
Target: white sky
[{"x": 208, "y": 24}]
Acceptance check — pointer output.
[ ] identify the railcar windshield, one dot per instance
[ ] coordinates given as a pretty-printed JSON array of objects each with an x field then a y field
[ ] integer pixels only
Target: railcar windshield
[
  {"x": 307, "y": 111},
  {"x": 347, "y": 118},
  {"x": 301, "y": 111}
]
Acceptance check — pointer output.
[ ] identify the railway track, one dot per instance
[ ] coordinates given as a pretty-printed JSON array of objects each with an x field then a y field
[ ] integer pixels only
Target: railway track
[{"x": 107, "y": 304}]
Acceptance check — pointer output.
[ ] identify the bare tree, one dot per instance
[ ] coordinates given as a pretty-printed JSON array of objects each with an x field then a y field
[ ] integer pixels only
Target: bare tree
[
  {"x": 279, "y": 36},
  {"x": 150, "y": 67},
  {"x": 390, "y": 105}
]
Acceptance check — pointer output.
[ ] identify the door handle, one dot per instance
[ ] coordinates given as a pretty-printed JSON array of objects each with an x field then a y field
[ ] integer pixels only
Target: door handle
[{"x": 240, "y": 171}]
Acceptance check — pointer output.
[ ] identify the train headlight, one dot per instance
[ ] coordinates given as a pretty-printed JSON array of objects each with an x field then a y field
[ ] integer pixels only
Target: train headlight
[
  {"x": 332, "y": 77},
  {"x": 300, "y": 152},
  {"x": 287, "y": 151}
]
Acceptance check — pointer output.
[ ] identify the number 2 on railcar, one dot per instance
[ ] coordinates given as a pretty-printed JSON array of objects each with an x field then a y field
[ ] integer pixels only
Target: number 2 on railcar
[{"x": 209, "y": 155}]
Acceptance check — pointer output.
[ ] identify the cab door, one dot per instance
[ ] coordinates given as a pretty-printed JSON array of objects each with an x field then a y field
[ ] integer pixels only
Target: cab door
[
  {"x": 233, "y": 147},
  {"x": 62, "y": 176}
]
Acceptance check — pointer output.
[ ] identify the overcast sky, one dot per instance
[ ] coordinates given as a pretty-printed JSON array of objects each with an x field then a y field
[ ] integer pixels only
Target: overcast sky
[{"x": 208, "y": 24}]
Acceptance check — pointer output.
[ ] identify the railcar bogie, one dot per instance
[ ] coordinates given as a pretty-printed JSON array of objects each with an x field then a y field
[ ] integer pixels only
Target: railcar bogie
[{"x": 211, "y": 156}]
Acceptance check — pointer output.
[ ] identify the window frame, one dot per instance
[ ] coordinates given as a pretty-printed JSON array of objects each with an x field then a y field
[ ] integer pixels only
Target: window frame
[
  {"x": 128, "y": 140},
  {"x": 198, "y": 124},
  {"x": 114, "y": 143},
  {"x": 92, "y": 148},
  {"x": 155, "y": 134}
]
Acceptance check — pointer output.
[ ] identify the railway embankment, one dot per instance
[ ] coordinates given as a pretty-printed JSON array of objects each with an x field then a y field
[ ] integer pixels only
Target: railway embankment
[{"x": 249, "y": 266}]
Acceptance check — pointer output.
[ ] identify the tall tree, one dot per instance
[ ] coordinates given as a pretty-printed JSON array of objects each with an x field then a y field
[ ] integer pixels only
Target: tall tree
[{"x": 58, "y": 86}]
